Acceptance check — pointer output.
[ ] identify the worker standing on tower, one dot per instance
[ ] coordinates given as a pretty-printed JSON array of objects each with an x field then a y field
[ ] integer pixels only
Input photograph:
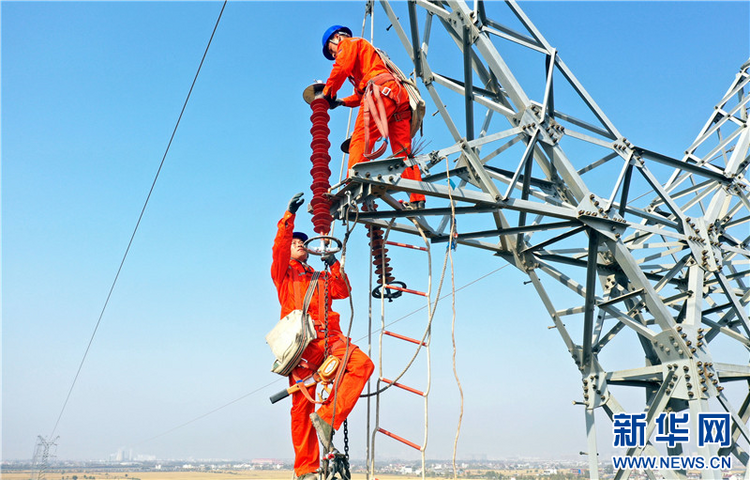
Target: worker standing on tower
[
  {"x": 383, "y": 101},
  {"x": 292, "y": 275}
]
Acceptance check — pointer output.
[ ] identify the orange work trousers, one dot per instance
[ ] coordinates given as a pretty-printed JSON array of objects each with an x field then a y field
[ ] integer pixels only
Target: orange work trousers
[
  {"x": 398, "y": 114},
  {"x": 357, "y": 371}
]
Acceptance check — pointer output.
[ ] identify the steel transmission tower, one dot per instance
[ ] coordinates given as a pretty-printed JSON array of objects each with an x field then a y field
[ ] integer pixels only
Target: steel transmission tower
[
  {"x": 40, "y": 462},
  {"x": 625, "y": 247}
]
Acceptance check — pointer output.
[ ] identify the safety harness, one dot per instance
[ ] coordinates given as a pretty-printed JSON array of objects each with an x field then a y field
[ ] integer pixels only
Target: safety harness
[
  {"x": 374, "y": 110},
  {"x": 322, "y": 312}
]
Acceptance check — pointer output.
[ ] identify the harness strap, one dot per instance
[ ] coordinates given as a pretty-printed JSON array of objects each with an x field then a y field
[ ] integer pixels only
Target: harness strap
[
  {"x": 310, "y": 290},
  {"x": 401, "y": 115},
  {"x": 297, "y": 293},
  {"x": 374, "y": 110},
  {"x": 298, "y": 379},
  {"x": 305, "y": 306},
  {"x": 307, "y": 395},
  {"x": 334, "y": 342}
]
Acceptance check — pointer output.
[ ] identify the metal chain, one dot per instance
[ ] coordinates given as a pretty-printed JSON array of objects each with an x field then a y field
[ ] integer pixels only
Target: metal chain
[
  {"x": 346, "y": 438},
  {"x": 325, "y": 312},
  {"x": 325, "y": 331}
]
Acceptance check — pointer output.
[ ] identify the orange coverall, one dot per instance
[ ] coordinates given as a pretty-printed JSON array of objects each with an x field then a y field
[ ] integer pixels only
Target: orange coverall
[
  {"x": 358, "y": 61},
  {"x": 286, "y": 272}
]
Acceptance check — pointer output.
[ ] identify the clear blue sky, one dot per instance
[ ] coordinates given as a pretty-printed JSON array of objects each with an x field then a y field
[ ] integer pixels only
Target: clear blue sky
[{"x": 90, "y": 94}]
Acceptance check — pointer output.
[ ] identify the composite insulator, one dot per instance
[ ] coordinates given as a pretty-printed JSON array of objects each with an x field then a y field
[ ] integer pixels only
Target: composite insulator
[
  {"x": 380, "y": 255},
  {"x": 321, "y": 206},
  {"x": 381, "y": 261}
]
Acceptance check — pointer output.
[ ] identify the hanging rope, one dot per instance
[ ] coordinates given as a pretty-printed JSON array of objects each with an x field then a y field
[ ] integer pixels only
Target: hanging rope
[
  {"x": 280, "y": 379},
  {"x": 425, "y": 341},
  {"x": 425, "y": 335},
  {"x": 340, "y": 374},
  {"x": 428, "y": 351},
  {"x": 450, "y": 248},
  {"x": 368, "y": 11}
]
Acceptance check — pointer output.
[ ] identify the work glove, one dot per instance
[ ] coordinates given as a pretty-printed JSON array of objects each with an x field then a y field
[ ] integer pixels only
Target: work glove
[
  {"x": 295, "y": 203},
  {"x": 333, "y": 102},
  {"x": 329, "y": 259}
]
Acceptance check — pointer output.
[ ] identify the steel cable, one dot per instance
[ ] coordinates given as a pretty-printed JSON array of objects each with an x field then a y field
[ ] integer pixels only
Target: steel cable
[
  {"x": 140, "y": 217},
  {"x": 283, "y": 378}
]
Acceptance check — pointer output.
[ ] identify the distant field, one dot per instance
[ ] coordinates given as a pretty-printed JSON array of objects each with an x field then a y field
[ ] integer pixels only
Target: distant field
[{"x": 222, "y": 475}]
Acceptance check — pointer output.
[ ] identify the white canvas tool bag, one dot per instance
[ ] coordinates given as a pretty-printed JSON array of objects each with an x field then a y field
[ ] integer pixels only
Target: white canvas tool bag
[{"x": 289, "y": 338}]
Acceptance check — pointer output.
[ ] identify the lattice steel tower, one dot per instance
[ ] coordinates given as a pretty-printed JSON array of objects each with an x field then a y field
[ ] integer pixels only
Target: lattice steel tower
[
  {"x": 551, "y": 186},
  {"x": 42, "y": 454}
]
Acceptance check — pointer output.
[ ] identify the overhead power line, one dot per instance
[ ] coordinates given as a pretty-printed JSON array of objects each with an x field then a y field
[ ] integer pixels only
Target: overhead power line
[
  {"x": 259, "y": 389},
  {"x": 140, "y": 217}
]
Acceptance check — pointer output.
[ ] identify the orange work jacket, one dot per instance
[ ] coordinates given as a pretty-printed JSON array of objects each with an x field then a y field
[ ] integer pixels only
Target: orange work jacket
[
  {"x": 358, "y": 61},
  {"x": 292, "y": 279}
]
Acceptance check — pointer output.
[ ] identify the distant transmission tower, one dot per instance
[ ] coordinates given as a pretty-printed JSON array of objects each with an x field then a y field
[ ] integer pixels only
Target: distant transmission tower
[{"x": 39, "y": 463}]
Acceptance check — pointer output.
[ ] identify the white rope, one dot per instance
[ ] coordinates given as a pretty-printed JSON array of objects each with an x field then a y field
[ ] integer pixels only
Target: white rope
[
  {"x": 351, "y": 110},
  {"x": 369, "y": 10},
  {"x": 342, "y": 265},
  {"x": 427, "y": 349},
  {"x": 425, "y": 341},
  {"x": 453, "y": 321},
  {"x": 431, "y": 309}
]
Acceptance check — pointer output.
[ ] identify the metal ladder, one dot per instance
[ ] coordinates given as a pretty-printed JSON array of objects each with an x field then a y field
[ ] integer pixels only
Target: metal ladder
[{"x": 385, "y": 383}]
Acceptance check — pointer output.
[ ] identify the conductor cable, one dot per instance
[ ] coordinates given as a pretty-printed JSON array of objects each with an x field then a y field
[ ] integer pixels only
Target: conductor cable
[
  {"x": 140, "y": 217},
  {"x": 274, "y": 382}
]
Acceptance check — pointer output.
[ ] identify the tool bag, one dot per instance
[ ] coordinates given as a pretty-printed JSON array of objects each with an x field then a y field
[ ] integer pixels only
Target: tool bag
[
  {"x": 416, "y": 102},
  {"x": 291, "y": 336}
]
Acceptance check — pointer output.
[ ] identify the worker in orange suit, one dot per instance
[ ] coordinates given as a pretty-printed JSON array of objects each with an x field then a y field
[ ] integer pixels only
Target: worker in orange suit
[
  {"x": 357, "y": 60},
  {"x": 291, "y": 274}
]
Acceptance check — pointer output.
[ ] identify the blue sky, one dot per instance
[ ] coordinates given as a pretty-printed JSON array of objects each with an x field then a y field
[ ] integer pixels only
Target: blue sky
[{"x": 91, "y": 92}]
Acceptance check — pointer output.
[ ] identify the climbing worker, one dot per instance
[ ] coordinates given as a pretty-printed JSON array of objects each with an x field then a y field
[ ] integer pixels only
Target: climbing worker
[
  {"x": 292, "y": 277},
  {"x": 383, "y": 101}
]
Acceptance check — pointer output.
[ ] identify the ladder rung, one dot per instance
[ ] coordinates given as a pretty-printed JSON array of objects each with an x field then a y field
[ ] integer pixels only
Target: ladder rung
[
  {"x": 401, "y": 337},
  {"x": 405, "y": 245},
  {"x": 401, "y": 289},
  {"x": 400, "y": 439},
  {"x": 400, "y": 385}
]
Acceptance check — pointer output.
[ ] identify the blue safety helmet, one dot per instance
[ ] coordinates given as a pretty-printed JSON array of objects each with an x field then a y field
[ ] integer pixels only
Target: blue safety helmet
[
  {"x": 331, "y": 32},
  {"x": 300, "y": 235}
]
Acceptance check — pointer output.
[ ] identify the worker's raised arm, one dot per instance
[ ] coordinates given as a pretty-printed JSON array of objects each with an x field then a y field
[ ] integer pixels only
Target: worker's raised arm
[
  {"x": 282, "y": 244},
  {"x": 342, "y": 67}
]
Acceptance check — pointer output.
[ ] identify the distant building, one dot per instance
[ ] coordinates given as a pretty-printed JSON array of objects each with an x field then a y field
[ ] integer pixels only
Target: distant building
[{"x": 267, "y": 464}]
